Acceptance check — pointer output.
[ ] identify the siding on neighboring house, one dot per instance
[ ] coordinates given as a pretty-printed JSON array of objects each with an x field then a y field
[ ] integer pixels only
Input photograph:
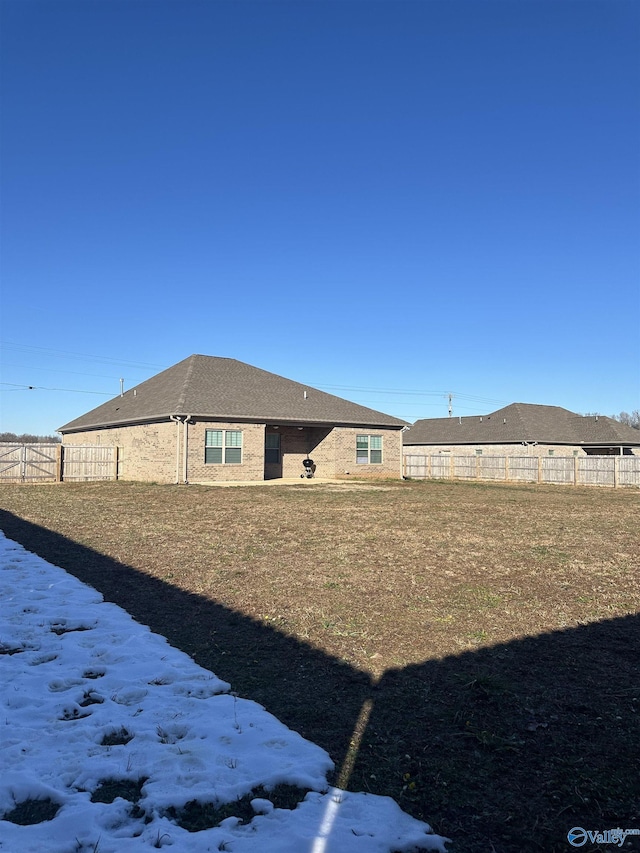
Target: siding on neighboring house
[
  {"x": 500, "y": 449},
  {"x": 522, "y": 429}
]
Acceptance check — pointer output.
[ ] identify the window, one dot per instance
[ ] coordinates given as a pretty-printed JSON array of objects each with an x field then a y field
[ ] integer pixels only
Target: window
[
  {"x": 368, "y": 449},
  {"x": 551, "y": 452},
  {"x": 272, "y": 447},
  {"x": 223, "y": 447},
  {"x": 478, "y": 451}
]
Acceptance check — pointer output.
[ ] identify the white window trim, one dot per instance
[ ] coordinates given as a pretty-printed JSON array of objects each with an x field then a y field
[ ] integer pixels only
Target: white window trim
[
  {"x": 223, "y": 446},
  {"x": 369, "y": 436}
]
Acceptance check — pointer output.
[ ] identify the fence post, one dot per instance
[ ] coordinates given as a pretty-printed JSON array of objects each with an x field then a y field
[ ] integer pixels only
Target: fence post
[
  {"x": 59, "y": 463},
  {"x": 451, "y": 468},
  {"x": 506, "y": 469},
  {"x": 575, "y": 470},
  {"x": 115, "y": 462},
  {"x": 616, "y": 471},
  {"x": 539, "y": 469}
]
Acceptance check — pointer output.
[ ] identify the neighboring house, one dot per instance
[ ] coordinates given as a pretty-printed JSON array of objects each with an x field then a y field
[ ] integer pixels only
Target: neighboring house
[
  {"x": 523, "y": 429},
  {"x": 208, "y": 419}
]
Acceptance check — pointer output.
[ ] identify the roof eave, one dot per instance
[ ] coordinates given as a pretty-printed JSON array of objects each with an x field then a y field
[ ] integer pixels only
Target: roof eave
[
  {"x": 107, "y": 424},
  {"x": 229, "y": 418}
]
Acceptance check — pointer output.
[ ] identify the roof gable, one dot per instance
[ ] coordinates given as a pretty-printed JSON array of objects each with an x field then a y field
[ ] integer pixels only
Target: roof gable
[
  {"x": 227, "y": 389},
  {"x": 523, "y": 422}
]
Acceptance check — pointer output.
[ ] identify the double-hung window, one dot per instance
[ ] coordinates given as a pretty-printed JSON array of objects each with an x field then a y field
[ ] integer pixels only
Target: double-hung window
[
  {"x": 223, "y": 447},
  {"x": 368, "y": 449}
]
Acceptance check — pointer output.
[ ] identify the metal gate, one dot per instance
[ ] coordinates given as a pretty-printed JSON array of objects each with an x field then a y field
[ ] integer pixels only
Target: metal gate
[{"x": 28, "y": 462}]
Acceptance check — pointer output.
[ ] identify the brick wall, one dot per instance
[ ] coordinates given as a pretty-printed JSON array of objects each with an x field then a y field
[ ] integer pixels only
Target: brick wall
[
  {"x": 332, "y": 449},
  {"x": 147, "y": 452},
  {"x": 345, "y": 453},
  {"x": 155, "y": 452},
  {"x": 252, "y": 466}
]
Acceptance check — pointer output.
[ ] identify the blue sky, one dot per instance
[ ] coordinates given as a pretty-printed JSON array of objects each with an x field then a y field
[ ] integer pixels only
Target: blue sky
[{"x": 368, "y": 197}]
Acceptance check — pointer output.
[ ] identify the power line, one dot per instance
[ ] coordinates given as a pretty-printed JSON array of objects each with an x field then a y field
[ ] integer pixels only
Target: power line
[
  {"x": 412, "y": 392},
  {"x": 66, "y": 372},
  {"x": 12, "y": 345},
  {"x": 26, "y": 348},
  {"x": 380, "y": 390},
  {"x": 67, "y": 390}
]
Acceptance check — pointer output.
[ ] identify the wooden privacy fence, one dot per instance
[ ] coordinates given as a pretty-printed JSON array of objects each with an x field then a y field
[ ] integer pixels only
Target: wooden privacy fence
[
  {"x": 51, "y": 463},
  {"x": 28, "y": 462},
  {"x": 569, "y": 470}
]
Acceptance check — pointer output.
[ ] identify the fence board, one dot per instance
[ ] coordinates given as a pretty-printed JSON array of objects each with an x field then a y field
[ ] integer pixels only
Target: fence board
[
  {"x": 564, "y": 470},
  {"x": 38, "y": 463},
  {"x": 628, "y": 470},
  {"x": 558, "y": 469},
  {"x": 492, "y": 467},
  {"x": 10, "y": 462},
  {"x": 82, "y": 463},
  {"x": 416, "y": 466},
  {"x": 25, "y": 463},
  {"x": 441, "y": 467},
  {"x": 597, "y": 470},
  {"x": 464, "y": 467},
  {"x": 523, "y": 468}
]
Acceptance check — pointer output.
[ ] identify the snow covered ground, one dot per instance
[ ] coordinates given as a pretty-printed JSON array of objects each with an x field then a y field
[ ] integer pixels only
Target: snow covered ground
[{"x": 91, "y": 700}]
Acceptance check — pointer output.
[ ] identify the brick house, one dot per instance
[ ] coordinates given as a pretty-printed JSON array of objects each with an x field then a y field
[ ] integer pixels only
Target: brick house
[
  {"x": 210, "y": 419},
  {"x": 523, "y": 429}
]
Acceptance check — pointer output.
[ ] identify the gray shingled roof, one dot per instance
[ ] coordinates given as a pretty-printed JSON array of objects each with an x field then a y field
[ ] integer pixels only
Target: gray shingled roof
[
  {"x": 523, "y": 422},
  {"x": 226, "y": 389}
]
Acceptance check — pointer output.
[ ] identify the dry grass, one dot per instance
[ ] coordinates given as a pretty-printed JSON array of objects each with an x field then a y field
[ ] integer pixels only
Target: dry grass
[{"x": 469, "y": 649}]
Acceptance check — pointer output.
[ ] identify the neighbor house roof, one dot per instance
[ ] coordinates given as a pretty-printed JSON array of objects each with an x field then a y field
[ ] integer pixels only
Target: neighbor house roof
[
  {"x": 226, "y": 389},
  {"x": 520, "y": 422}
]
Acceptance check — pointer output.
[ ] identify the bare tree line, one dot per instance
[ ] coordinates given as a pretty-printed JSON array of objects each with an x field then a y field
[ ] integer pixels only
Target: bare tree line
[
  {"x": 28, "y": 438},
  {"x": 631, "y": 419}
]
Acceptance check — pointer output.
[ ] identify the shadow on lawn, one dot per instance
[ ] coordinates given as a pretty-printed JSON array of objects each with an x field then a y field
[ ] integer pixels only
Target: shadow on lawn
[{"x": 503, "y": 749}]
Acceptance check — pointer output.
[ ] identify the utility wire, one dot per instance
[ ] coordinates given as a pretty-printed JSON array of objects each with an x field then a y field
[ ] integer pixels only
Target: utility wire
[
  {"x": 412, "y": 392},
  {"x": 15, "y": 387},
  {"x": 12, "y": 345},
  {"x": 66, "y": 372}
]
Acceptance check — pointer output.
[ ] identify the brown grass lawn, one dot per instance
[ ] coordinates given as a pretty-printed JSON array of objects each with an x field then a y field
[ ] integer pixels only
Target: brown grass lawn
[{"x": 468, "y": 649}]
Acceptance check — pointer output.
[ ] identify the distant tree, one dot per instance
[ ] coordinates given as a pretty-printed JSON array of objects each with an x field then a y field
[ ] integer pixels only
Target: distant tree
[
  {"x": 632, "y": 420},
  {"x": 27, "y": 438}
]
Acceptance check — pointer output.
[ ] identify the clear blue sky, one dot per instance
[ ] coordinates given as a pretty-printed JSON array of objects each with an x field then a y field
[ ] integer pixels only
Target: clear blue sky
[{"x": 363, "y": 196}]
